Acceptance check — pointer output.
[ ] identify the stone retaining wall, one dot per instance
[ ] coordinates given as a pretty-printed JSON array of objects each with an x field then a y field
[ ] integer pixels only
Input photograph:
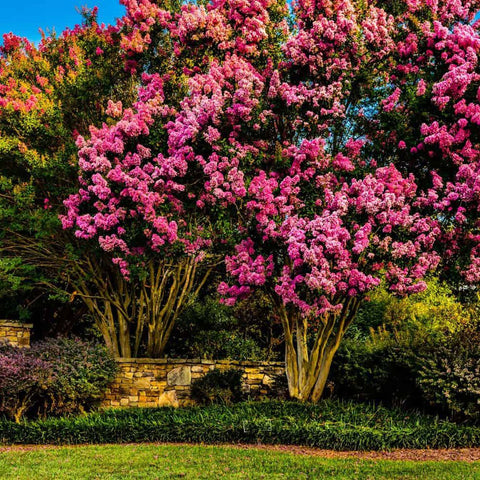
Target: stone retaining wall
[
  {"x": 160, "y": 382},
  {"x": 14, "y": 333}
]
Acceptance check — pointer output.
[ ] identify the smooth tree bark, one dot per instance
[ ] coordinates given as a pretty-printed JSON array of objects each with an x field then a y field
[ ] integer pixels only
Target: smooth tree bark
[
  {"x": 309, "y": 355},
  {"x": 136, "y": 318}
]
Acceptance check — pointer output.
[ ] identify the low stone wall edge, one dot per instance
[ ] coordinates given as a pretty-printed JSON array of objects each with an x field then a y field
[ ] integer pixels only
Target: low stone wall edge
[{"x": 147, "y": 382}]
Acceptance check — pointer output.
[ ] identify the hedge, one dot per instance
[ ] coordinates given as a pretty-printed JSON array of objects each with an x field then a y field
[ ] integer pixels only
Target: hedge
[{"x": 330, "y": 424}]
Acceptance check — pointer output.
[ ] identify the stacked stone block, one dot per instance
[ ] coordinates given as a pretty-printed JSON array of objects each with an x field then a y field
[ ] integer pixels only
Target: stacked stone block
[
  {"x": 167, "y": 382},
  {"x": 15, "y": 333}
]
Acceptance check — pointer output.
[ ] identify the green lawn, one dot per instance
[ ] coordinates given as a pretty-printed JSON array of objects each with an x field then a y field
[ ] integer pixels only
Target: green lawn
[{"x": 210, "y": 462}]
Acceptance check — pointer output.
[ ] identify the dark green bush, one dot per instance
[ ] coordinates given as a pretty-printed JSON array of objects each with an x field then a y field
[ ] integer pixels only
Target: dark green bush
[
  {"x": 54, "y": 377},
  {"x": 440, "y": 374},
  {"x": 218, "y": 386},
  {"x": 219, "y": 345},
  {"x": 386, "y": 372},
  {"x": 389, "y": 342},
  {"x": 329, "y": 424},
  {"x": 449, "y": 378},
  {"x": 209, "y": 329}
]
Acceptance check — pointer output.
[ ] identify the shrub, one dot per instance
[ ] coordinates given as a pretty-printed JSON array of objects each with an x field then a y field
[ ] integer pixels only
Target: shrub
[
  {"x": 450, "y": 378},
  {"x": 23, "y": 380},
  {"x": 82, "y": 371},
  {"x": 219, "y": 345},
  {"x": 54, "y": 377},
  {"x": 386, "y": 372},
  {"x": 441, "y": 374},
  {"x": 426, "y": 315},
  {"x": 218, "y": 387},
  {"x": 385, "y": 348},
  {"x": 389, "y": 341},
  {"x": 209, "y": 329}
]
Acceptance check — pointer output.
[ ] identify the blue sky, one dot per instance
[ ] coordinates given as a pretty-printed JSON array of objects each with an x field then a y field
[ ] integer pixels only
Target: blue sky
[{"x": 25, "y": 17}]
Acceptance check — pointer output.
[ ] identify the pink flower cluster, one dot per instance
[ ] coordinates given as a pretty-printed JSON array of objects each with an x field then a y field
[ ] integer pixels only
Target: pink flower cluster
[
  {"x": 362, "y": 231},
  {"x": 127, "y": 190},
  {"x": 297, "y": 143}
]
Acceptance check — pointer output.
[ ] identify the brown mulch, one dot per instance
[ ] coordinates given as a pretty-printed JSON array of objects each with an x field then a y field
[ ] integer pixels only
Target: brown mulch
[{"x": 454, "y": 454}]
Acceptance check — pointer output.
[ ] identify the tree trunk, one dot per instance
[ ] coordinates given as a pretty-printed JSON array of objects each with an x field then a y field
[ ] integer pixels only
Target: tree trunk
[
  {"x": 132, "y": 314},
  {"x": 307, "y": 381},
  {"x": 309, "y": 356},
  {"x": 124, "y": 339},
  {"x": 129, "y": 314}
]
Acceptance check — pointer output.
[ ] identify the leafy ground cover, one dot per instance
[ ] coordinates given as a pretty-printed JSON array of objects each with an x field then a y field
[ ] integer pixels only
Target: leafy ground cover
[
  {"x": 330, "y": 424},
  {"x": 206, "y": 462}
]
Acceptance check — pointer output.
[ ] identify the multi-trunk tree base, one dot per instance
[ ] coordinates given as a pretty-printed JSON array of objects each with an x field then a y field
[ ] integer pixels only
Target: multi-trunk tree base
[
  {"x": 309, "y": 354},
  {"x": 137, "y": 317}
]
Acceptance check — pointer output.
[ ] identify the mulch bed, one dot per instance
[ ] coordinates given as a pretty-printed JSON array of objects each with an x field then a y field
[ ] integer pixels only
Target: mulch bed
[{"x": 456, "y": 454}]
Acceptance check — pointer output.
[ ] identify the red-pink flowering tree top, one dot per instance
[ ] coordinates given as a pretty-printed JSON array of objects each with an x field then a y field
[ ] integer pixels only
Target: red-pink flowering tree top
[
  {"x": 345, "y": 157},
  {"x": 48, "y": 93},
  {"x": 141, "y": 189},
  {"x": 145, "y": 196}
]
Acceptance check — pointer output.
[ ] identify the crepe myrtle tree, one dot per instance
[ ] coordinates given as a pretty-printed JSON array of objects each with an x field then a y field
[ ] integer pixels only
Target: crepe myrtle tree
[
  {"x": 132, "y": 207},
  {"x": 375, "y": 109},
  {"x": 329, "y": 158},
  {"x": 143, "y": 199},
  {"x": 340, "y": 189}
]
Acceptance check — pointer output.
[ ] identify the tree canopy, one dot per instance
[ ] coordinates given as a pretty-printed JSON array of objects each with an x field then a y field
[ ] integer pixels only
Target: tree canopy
[{"x": 319, "y": 151}]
